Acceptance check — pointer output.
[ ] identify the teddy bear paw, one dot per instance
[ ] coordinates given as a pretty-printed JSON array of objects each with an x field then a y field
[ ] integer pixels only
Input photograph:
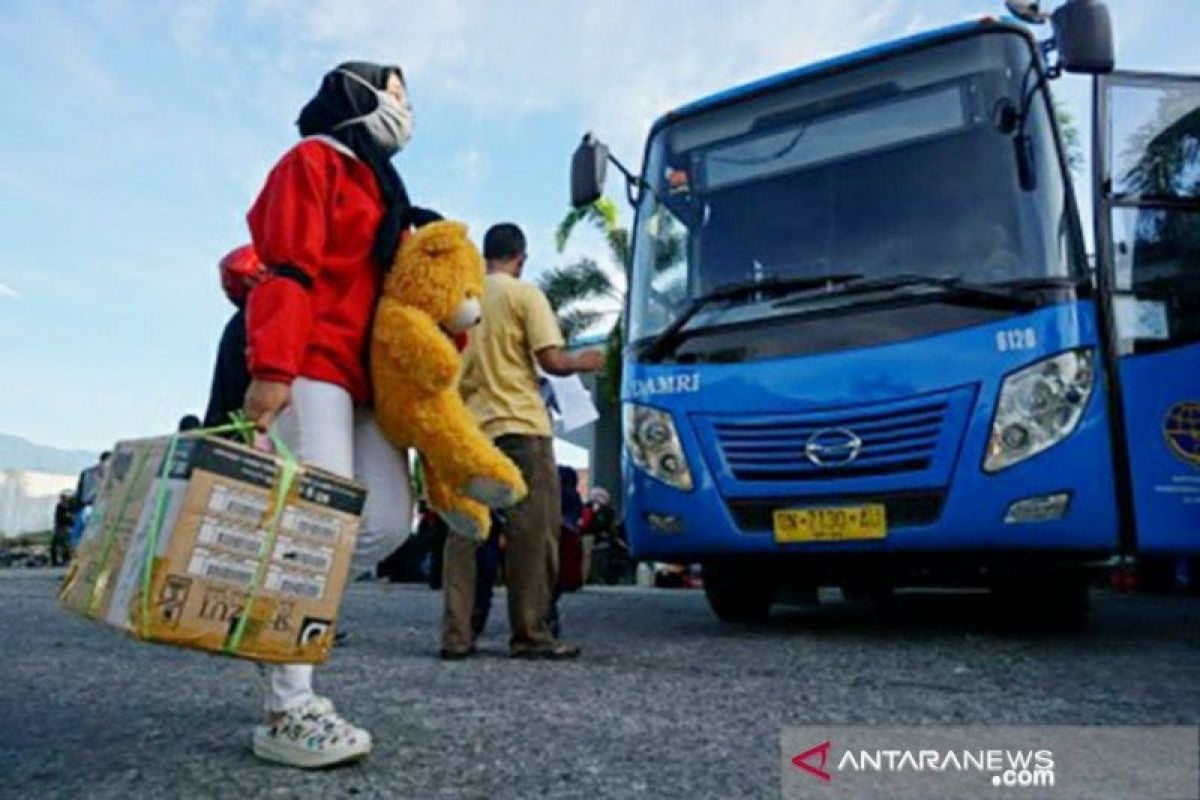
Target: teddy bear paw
[
  {"x": 464, "y": 524},
  {"x": 492, "y": 493}
]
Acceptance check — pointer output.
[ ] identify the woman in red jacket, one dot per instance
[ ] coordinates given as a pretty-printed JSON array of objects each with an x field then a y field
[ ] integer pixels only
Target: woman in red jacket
[{"x": 326, "y": 225}]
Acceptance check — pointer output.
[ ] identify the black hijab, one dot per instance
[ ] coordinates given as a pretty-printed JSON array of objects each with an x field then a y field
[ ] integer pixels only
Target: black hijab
[{"x": 341, "y": 98}]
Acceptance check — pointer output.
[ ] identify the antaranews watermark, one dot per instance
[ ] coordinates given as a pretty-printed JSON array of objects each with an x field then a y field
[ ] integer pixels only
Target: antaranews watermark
[{"x": 981, "y": 761}]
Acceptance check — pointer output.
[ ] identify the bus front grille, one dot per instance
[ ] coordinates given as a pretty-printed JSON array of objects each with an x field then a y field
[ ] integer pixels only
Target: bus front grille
[{"x": 865, "y": 441}]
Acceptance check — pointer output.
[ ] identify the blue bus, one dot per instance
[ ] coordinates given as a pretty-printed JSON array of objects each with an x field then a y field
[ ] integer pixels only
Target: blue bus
[{"x": 866, "y": 346}]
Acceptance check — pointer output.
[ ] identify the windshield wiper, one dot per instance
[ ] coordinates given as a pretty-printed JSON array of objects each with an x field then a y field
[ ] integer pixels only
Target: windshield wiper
[
  {"x": 1023, "y": 294},
  {"x": 665, "y": 342},
  {"x": 1044, "y": 282},
  {"x": 946, "y": 288}
]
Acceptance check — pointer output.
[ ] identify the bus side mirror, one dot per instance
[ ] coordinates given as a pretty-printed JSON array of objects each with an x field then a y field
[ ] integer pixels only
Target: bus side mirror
[
  {"x": 1083, "y": 36},
  {"x": 588, "y": 168}
]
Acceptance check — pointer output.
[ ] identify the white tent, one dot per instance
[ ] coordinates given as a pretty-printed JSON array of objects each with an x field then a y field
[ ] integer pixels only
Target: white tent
[{"x": 27, "y": 500}]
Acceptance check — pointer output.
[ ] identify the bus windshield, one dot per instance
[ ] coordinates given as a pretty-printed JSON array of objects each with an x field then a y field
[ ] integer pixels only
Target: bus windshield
[{"x": 904, "y": 166}]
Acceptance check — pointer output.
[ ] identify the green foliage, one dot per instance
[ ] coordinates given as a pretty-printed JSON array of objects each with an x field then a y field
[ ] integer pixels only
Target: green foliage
[
  {"x": 1069, "y": 130},
  {"x": 576, "y": 321},
  {"x": 583, "y": 280},
  {"x": 669, "y": 250},
  {"x": 603, "y": 215},
  {"x": 610, "y": 379}
]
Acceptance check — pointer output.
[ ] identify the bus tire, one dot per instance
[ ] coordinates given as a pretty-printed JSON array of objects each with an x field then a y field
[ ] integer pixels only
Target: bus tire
[
  {"x": 738, "y": 591},
  {"x": 1056, "y": 599}
]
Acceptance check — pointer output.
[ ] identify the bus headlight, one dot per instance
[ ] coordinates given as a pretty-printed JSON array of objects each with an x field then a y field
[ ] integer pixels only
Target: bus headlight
[
  {"x": 654, "y": 446},
  {"x": 1039, "y": 406}
]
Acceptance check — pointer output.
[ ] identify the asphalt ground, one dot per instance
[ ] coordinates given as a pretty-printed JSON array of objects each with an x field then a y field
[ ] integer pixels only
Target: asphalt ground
[{"x": 666, "y": 701}]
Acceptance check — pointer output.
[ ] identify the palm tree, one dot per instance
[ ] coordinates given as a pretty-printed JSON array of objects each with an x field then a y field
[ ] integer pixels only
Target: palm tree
[
  {"x": 604, "y": 216},
  {"x": 579, "y": 291},
  {"x": 582, "y": 293}
]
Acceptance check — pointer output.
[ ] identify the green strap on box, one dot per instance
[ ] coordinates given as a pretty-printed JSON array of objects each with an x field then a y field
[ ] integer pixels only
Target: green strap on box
[
  {"x": 287, "y": 477},
  {"x": 104, "y": 568}
]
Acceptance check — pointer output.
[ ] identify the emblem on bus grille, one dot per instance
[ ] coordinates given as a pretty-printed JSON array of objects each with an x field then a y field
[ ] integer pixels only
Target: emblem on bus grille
[{"x": 833, "y": 447}]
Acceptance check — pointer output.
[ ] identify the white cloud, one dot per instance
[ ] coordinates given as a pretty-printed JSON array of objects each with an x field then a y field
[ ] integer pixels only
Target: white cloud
[
  {"x": 8, "y": 291},
  {"x": 471, "y": 165},
  {"x": 617, "y": 65}
]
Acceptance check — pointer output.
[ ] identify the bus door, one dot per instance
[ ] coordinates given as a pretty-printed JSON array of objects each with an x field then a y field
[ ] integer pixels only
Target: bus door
[{"x": 1146, "y": 180}]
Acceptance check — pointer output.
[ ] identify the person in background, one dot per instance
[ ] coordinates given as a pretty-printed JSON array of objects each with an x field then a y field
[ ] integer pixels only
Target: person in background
[
  {"x": 570, "y": 546},
  {"x": 60, "y": 539},
  {"x": 241, "y": 270},
  {"x": 599, "y": 525},
  {"x": 587, "y": 536},
  {"x": 86, "y": 490},
  {"x": 569, "y": 500},
  {"x": 89, "y": 481},
  {"x": 326, "y": 226},
  {"x": 188, "y": 422},
  {"x": 499, "y": 384}
]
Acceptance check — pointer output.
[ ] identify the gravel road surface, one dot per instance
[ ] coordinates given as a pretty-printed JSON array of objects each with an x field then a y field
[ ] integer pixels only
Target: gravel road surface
[{"x": 666, "y": 702}]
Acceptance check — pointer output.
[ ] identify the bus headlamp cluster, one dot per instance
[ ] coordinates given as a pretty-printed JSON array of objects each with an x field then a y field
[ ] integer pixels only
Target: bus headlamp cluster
[
  {"x": 1039, "y": 406},
  {"x": 654, "y": 447}
]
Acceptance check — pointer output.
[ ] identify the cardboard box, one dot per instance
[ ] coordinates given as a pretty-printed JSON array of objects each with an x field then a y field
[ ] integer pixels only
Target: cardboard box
[{"x": 205, "y": 536}]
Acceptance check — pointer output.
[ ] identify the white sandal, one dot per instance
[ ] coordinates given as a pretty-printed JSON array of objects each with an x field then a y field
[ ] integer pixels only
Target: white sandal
[{"x": 311, "y": 736}]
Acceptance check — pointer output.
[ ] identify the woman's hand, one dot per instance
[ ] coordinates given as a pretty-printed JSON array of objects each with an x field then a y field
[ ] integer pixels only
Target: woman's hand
[{"x": 265, "y": 401}]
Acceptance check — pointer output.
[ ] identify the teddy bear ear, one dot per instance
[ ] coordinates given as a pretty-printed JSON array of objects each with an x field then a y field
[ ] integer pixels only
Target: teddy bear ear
[{"x": 439, "y": 238}]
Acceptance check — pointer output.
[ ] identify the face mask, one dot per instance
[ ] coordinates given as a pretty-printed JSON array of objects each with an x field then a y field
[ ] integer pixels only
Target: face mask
[{"x": 390, "y": 125}]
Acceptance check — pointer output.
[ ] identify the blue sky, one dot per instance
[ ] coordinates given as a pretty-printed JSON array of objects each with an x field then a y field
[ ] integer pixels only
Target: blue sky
[{"x": 136, "y": 133}]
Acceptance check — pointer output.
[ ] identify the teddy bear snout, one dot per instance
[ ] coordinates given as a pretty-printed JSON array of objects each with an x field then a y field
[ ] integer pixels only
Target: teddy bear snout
[{"x": 468, "y": 315}]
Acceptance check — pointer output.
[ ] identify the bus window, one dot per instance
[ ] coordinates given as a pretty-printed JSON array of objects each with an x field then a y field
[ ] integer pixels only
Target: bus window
[{"x": 1155, "y": 217}]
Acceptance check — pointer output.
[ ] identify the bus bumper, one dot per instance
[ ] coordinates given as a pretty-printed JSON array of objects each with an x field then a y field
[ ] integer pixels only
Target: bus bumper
[{"x": 1060, "y": 501}]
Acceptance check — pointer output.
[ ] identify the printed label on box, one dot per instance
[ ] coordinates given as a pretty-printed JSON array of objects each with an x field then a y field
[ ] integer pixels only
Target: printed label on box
[
  {"x": 238, "y": 503},
  {"x": 220, "y": 567},
  {"x": 290, "y": 551},
  {"x": 232, "y": 537},
  {"x": 315, "y": 524},
  {"x": 286, "y": 582}
]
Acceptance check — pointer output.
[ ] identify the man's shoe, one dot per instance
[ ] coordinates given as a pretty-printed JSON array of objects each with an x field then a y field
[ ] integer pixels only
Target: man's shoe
[
  {"x": 455, "y": 655},
  {"x": 555, "y": 651}
]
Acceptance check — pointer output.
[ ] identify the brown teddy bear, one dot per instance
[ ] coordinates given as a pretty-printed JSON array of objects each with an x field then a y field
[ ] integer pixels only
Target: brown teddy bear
[{"x": 431, "y": 294}]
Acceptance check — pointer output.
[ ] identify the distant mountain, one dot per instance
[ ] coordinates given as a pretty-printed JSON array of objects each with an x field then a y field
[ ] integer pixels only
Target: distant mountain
[{"x": 18, "y": 453}]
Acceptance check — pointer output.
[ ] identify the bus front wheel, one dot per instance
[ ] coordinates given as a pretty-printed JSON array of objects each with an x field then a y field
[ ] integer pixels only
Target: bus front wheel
[{"x": 739, "y": 591}]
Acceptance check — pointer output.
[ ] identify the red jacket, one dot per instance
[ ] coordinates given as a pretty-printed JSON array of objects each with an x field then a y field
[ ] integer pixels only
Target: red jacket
[{"x": 316, "y": 218}]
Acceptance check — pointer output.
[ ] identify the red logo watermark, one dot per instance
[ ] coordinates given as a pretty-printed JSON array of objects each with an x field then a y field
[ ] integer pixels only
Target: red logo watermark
[{"x": 801, "y": 761}]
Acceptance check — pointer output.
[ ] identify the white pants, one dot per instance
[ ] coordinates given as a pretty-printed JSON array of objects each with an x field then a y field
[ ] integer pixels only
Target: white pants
[{"x": 323, "y": 428}]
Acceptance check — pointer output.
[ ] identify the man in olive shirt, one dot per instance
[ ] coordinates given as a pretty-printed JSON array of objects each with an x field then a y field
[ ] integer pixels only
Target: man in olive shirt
[{"x": 500, "y": 387}]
